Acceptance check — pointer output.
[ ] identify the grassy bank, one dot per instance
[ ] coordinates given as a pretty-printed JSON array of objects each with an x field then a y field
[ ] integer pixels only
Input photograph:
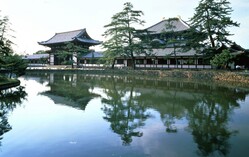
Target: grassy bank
[{"x": 8, "y": 83}]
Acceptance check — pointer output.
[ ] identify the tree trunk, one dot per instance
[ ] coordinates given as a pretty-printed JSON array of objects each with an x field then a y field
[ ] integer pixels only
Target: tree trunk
[
  {"x": 175, "y": 58},
  {"x": 113, "y": 63}
]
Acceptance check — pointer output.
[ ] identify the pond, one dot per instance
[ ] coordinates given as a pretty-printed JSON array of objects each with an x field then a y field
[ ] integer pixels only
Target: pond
[{"x": 93, "y": 115}]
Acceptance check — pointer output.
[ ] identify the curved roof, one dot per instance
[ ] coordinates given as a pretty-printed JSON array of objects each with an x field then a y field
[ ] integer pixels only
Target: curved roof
[
  {"x": 163, "y": 26},
  {"x": 170, "y": 52},
  {"x": 36, "y": 56},
  {"x": 76, "y": 35},
  {"x": 93, "y": 55}
]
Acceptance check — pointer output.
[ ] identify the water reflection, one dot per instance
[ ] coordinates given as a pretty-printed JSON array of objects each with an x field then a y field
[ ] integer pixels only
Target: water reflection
[
  {"x": 127, "y": 100},
  {"x": 123, "y": 111},
  {"x": 208, "y": 121},
  {"x": 67, "y": 90},
  {"x": 9, "y": 99}
]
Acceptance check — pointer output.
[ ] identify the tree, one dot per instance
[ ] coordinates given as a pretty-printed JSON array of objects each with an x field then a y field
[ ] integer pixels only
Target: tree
[
  {"x": 171, "y": 36},
  {"x": 5, "y": 43},
  {"x": 113, "y": 46},
  {"x": 12, "y": 63},
  {"x": 124, "y": 37},
  {"x": 69, "y": 51},
  {"x": 210, "y": 24},
  {"x": 42, "y": 52},
  {"x": 221, "y": 60}
]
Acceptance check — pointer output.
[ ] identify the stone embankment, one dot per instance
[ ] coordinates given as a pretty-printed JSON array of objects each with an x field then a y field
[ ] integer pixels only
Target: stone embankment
[
  {"x": 206, "y": 75},
  {"x": 211, "y": 75}
]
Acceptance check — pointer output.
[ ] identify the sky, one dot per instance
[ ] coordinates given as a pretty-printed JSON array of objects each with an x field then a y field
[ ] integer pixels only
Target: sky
[{"x": 38, "y": 20}]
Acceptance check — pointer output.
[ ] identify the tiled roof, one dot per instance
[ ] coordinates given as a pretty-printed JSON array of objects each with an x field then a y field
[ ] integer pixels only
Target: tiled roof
[
  {"x": 179, "y": 25},
  {"x": 79, "y": 35},
  {"x": 93, "y": 55},
  {"x": 89, "y": 41},
  {"x": 36, "y": 56},
  {"x": 170, "y": 52}
]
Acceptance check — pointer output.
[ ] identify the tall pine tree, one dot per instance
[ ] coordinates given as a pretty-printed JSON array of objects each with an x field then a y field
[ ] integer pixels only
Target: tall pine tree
[
  {"x": 12, "y": 63},
  {"x": 210, "y": 24},
  {"x": 123, "y": 36},
  {"x": 5, "y": 42}
]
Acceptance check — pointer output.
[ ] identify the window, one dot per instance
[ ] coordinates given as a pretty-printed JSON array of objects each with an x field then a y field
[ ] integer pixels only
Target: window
[
  {"x": 162, "y": 61},
  {"x": 120, "y": 61}
]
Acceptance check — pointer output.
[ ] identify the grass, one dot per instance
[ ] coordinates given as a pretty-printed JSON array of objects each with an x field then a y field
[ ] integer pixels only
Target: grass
[{"x": 6, "y": 81}]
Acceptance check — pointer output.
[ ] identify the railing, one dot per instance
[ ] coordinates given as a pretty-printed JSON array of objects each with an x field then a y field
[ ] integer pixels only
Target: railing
[
  {"x": 163, "y": 66},
  {"x": 121, "y": 66}
]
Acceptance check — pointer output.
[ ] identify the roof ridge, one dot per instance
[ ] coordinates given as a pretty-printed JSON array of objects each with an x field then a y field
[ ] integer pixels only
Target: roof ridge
[
  {"x": 154, "y": 24},
  {"x": 184, "y": 22},
  {"x": 164, "y": 21},
  {"x": 71, "y": 31}
]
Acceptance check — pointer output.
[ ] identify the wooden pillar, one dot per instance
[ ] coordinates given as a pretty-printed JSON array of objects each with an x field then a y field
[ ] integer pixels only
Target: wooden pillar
[
  {"x": 181, "y": 62},
  {"x": 145, "y": 62},
  {"x": 51, "y": 59},
  {"x": 156, "y": 62},
  {"x": 125, "y": 62},
  {"x": 196, "y": 62},
  {"x": 168, "y": 62},
  {"x": 74, "y": 59}
]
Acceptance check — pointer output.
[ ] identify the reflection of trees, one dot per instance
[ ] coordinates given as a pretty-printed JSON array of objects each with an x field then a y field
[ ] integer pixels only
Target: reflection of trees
[
  {"x": 167, "y": 104},
  {"x": 124, "y": 112},
  {"x": 9, "y": 99},
  {"x": 208, "y": 121},
  {"x": 207, "y": 107}
]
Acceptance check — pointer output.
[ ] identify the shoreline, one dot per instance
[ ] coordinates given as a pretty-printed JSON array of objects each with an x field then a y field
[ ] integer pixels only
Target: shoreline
[
  {"x": 10, "y": 84},
  {"x": 203, "y": 74}
]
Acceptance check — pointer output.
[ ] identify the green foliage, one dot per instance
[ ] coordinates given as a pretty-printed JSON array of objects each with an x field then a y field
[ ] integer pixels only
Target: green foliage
[
  {"x": 41, "y": 52},
  {"x": 14, "y": 64},
  {"x": 171, "y": 36},
  {"x": 221, "y": 60},
  {"x": 210, "y": 24},
  {"x": 65, "y": 53},
  {"x": 123, "y": 36},
  {"x": 5, "y": 43},
  {"x": 11, "y": 63}
]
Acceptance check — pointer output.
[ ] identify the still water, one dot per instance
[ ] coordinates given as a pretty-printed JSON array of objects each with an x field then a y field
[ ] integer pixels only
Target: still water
[{"x": 76, "y": 115}]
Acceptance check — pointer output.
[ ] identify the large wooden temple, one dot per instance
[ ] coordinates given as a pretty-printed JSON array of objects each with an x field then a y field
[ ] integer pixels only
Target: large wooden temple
[
  {"x": 79, "y": 38},
  {"x": 170, "y": 55}
]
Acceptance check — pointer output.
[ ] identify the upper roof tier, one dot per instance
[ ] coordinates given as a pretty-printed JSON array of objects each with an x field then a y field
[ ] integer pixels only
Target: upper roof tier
[
  {"x": 77, "y": 35},
  {"x": 177, "y": 25}
]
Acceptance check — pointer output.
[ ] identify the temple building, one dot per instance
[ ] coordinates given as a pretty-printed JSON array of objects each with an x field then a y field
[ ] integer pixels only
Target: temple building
[
  {"x": 168, "y": 54},
  {"x": 79, "y": 38}
]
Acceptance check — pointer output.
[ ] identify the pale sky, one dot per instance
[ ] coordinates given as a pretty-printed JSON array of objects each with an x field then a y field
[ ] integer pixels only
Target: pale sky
[{"x": 39, "y": 20}]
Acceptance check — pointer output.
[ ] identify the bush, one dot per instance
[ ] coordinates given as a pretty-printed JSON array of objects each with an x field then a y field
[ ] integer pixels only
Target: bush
[{"x": 221, "y": 60}]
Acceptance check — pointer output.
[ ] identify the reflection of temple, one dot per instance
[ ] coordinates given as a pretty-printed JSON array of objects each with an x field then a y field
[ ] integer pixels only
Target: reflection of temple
[
  {"x": 126, "y": 100},
  {"x": 206, "y": 107},
  {"x": 66, "y": 90}
]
